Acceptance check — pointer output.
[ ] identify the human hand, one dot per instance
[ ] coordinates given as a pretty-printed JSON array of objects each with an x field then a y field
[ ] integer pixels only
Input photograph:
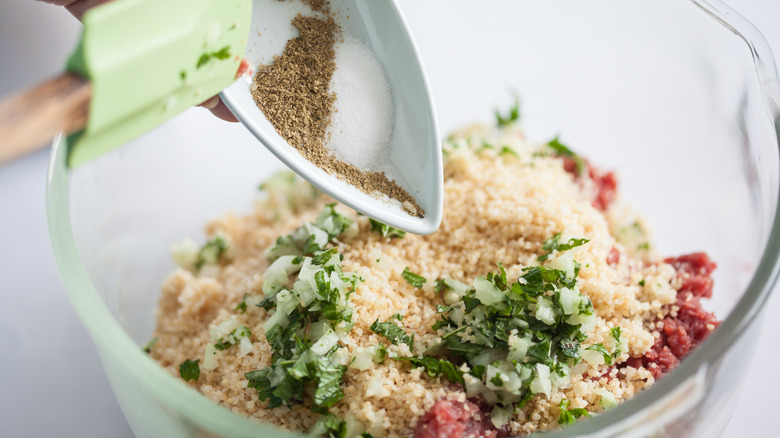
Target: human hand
[{"x": 79, "y": 7}]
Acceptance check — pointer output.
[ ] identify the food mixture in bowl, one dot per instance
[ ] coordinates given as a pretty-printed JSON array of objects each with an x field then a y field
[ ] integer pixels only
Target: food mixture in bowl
[{"x": 539, "y": 301}]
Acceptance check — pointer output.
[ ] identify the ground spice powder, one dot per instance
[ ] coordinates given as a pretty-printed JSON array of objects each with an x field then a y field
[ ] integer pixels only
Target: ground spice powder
[{"x": 294, "y": 94}]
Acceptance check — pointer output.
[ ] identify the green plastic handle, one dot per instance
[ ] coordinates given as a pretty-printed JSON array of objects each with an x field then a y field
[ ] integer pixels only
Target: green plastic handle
[{"x": 149, "y": 60}]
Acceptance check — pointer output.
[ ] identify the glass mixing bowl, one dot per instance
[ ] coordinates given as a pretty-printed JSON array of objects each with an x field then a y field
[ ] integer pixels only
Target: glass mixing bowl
[{"x": 680, "y": 96}]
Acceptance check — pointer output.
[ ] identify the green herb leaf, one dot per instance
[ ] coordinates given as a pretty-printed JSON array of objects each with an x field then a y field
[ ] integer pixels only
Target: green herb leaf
[
  {"x": 189, "y": 370},
  {"x": 241, "y": 307},
  {"x": 562, "y": 150},
  {"x": 223, "y": 53},
  {"x": 231, "y": 339},
  {"x": 328, "y": 377},
  {"x": 616, "y": 332},
  {"x": 149, "y": 345},
  {"x": 323, "y": 257},
  {"x": 331, "y": 427},
  {"x": 601, "y": 349},
  {"x": 436, "y": 367},
  {"x": 554, "y": 244},
  {"x": 512, "y": 116},
  {"x": 333, "y": 222},
  {"x": 386, "y": 230},
  {"x": 415, "y": 280},
  {"x": 211, "y": 252},
  {"x": 570, "y": 416},
  {"x": 466, "y": 349},
  {"x": 506, "y": 150},
  {"x": 393, "y": 333}
]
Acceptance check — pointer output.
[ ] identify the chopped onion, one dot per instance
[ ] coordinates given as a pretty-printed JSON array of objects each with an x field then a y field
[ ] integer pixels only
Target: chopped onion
[
  {"x": 325, "y": 343},
  {"x": 592, "y": 357},
  {"x": 458, "y": 287},
  {"x": 286, "y": 301},
  {"x": 544, "y": 311},
  {"x": 277, "y": 275},
  {"x": 244, "y": 346},
  {"x": 209, "y": 361},
  {"x": 568, "y": 299},
  {"x": 541, "y": 383},
  {"x": 278, "y": 318},
  {"x": 363, "y": 358},
  {"x": 376, "y": 386},
  {"x": 564, "y": 262},
  {"x": 185, "y": 253},
  {"x": 608, "y": 400},
  {"x": 224, "y": 328},
  {"x": 518, "y": 348},
  {"x": 500, "y": 416},
  {"x": 487, "y": 292}
]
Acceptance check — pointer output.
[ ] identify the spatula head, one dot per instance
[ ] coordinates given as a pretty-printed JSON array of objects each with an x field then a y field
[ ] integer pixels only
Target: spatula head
[{"x": 149, "y": 60}]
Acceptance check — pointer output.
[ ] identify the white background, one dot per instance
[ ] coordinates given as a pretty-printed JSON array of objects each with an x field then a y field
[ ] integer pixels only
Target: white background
[{"x": 51, "y": 382}]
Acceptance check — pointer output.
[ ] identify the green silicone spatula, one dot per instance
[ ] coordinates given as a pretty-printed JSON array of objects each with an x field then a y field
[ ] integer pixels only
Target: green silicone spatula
[{"x": 138, "y": 63}]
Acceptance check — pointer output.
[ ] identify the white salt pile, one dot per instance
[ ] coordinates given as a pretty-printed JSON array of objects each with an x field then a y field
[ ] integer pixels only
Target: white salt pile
[{"x": 361, "y": 125}]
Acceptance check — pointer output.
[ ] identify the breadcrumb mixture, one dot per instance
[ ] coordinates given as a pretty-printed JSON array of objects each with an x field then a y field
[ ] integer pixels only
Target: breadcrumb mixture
[{"x": 502, "y": 202}]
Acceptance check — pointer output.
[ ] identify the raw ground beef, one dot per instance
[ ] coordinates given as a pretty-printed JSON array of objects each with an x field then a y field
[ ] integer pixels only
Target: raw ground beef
[
  {"x": 453, "y": 419},
  {"x": 604, "y": 182},
  {"x": 691, "y": 324}
]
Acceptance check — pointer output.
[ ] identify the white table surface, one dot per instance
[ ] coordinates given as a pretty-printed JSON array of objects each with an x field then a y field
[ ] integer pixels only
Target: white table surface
[{"x": 51, "y": 382}]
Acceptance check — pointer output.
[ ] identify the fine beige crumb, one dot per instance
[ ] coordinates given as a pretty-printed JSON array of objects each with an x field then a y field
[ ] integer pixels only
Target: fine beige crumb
[{"x": 499, "y": 209}]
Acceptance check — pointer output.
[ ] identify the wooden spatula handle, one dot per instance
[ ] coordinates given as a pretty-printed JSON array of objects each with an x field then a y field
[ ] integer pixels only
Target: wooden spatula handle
[{"x": 29, "y": 120}]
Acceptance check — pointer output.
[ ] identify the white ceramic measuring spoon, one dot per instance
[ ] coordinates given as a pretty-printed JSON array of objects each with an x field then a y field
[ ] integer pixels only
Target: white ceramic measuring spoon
[{"x": 414, "y": 161}]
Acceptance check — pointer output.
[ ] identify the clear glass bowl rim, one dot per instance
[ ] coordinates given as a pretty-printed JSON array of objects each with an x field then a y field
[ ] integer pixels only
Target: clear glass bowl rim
[{"x": 112, "y": 340}]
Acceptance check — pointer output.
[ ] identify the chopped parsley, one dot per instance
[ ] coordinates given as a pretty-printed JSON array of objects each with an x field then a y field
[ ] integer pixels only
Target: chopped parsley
[
  {"x": 506, "y": 150},
  {"x": 510, "y": 340},
  {"x": 599, "y": 348},
  {"x": 386, "y": 230},
  {"x": 330, "y": 427},
  {"x": 415, "y": 280},
  {"x": 233, "y": 338},
  {"x": 149, "y": 345},
  {"x": 642, "y": 282},
  {"x": 241, "y": 307},
  {"x": 307, "y": 319},
  {"x": 311, "y": 237},
  {"x": 562, "y": 150},
  {"x": 511, "y": 117},
  {"x": 436, "y": 367},
  {"x": 616, "y": 333},
  {"x": 221, "y": 54},
  {"x": 189, "y": 370},
  {"x": 570, "y": 416},
  {"x": 485, "y": 145},
  {"x": 211, "y": 252},
  {"x": 554, "y": 244},
  {"x": 396, "y": 335}
]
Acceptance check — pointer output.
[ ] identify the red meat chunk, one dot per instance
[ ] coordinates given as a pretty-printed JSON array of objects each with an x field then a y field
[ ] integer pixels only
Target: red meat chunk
[
  {"x": 606, "y": 187},
  {"x": 452, "y": 419},
  {"x": 691, "y": 325},
  {"x": 695, "y": 271},
  {"x": 605, "y": 182}
]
